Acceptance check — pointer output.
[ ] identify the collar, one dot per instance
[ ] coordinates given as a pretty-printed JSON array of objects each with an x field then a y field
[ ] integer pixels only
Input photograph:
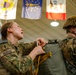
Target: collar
[{"x": 9, "y": 42}]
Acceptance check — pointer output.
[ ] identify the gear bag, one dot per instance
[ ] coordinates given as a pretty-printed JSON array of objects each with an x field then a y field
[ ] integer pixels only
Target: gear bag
[{"x": 53, "y": 65}]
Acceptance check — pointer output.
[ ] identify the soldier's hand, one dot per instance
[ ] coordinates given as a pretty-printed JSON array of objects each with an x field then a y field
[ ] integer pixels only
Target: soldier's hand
[
  {"x": 41, "y": 41},
  {"x": 36, "y": 51}
]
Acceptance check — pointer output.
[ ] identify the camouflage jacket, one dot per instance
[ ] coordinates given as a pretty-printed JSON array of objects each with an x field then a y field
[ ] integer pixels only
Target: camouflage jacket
[
  {"x": 69, "y": 50},
  {"x": 14, "y": 60}
]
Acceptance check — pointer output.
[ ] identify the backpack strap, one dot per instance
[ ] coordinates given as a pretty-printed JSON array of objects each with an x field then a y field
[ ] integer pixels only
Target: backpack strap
[
  {"x": 71, "y": 68},
  {"x": 54, "y": 41},
  {"x": 3, "y": 41}
]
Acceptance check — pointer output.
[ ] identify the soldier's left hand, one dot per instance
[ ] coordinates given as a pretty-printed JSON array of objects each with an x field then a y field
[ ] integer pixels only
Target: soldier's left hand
[{"x": 41, "y": 41}]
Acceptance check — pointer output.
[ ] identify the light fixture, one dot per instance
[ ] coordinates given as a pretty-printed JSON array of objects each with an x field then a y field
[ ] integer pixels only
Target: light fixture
[{"x": 54, "y": 23}]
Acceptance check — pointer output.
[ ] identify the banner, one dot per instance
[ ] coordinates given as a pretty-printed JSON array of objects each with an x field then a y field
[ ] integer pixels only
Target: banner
[
  {"x": 31, "y": 9},
  {"x": 8, "y": 9},
  {"x": 56, "y": 9}
]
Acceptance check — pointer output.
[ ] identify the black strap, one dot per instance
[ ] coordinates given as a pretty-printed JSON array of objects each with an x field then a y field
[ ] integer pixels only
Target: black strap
[
  {"x": 71, "y": 68},
  {"x": 54, "y": 41}
]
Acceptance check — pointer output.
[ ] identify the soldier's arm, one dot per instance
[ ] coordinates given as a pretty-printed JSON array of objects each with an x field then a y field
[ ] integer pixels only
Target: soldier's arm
[
  {"x": 28, "y": 47},
  {"x": 13, "y": 62},
  {"x": 31, "y": 45}
]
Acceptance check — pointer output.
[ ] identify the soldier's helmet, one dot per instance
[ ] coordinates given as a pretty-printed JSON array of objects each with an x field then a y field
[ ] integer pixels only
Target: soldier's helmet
[{"x": 71, "y": 22}]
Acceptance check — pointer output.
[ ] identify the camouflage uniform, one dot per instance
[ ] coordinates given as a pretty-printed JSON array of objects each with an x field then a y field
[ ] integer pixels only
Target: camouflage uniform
[
  {"x": 69, "y": 52},
  {"x": 14, "y": 60},
  {"x": 69, "y": 46}
]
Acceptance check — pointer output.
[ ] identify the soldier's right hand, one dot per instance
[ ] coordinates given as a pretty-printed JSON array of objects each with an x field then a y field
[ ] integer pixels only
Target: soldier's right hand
[{"x": 36, "y": 51}]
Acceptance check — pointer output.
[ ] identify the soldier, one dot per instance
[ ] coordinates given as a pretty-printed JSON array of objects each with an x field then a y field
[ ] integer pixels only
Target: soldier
[
  {"x": 15, "y": 57},
  {"x": 69, "y": 45}
]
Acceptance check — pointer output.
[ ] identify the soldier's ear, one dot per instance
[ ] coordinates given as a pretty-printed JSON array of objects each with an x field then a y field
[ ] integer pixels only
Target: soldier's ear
[{"x": 9, "y": 30}]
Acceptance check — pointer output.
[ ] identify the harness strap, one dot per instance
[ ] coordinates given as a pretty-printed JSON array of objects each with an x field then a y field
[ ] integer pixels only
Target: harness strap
[
  {"x": 41, "y": 59},
  {"x": 71, "y": 68}
]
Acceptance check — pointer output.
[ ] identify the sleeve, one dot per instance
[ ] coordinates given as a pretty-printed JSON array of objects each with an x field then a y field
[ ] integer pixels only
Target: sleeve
[
  {"x": 28, "y": 47},
  {"x": 13, "y": 62}
]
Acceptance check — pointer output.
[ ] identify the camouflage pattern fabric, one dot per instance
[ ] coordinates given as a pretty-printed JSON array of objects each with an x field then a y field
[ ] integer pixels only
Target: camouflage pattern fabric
[
  {"x": 69, "y": 52},
  {"x": 14, "y": 59}
]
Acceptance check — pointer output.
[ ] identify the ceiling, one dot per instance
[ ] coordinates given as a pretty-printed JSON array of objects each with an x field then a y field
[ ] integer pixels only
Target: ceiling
[{"x": 41, "y": 28}]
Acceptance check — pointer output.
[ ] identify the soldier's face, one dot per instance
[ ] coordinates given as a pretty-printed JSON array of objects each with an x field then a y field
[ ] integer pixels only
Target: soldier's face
[
  {"x": 16, "y": 31},
  {"x": 75, "y": 30}
]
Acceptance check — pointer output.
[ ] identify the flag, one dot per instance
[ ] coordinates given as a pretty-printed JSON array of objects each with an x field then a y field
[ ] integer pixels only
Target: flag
[
  {"x": 31, "y": 9},
  {"x": 56, "y": 9},
  {"x": 8, "y": 9}
]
